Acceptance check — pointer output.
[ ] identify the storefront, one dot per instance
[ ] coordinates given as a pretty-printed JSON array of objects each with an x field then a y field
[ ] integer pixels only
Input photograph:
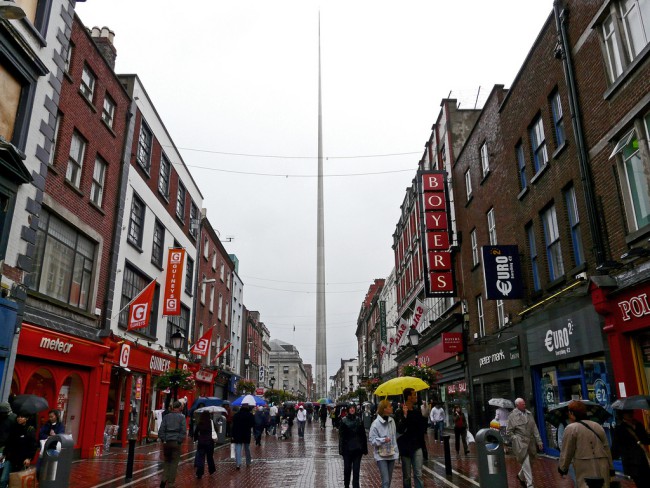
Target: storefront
[
  {"x": 568, "y": 361},
  {"x": 496, "y": 372},
  {"x": 70, "y": 373},
  {"x": 205, "y": 382}
]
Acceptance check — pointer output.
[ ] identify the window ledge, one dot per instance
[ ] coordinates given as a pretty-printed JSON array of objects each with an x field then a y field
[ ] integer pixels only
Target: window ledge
[
  {"x": 475, "y": 267},
  {"x": 74, "y": 188},
  {"x": 97, "y": 207},
  {"x": 627, "y": 72},
  {"x": 523, "y": 193},
  {"x": 68, "y": 76},
  {"x": 88, "y": 102},
  {"x": 143, "y": 168},
  {"x": 541, "y": 171},
  {"x": 53, "y": 169},
  {"x": 638, "y": 235},
  {"x": 556, "y": 283},
  {"x": 486, "y": 176},
  {"x": 110, "y": 129},
  {"x": 163, "y": 196},
  {"x": 158, "y": 266},
  {"x": 134, "y": 245},
  {"x": 469, "y": 200},
  {"x": 560, "y": 150}
]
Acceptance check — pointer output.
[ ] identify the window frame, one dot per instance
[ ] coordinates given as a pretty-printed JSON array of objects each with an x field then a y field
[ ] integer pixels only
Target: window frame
[
  {"x": 485, "y": 159},
  {"x": 552, "y": 243},
  {"x": 145, "y": 147},
  {"x": 480, "y": 315},
  {"x": 534, "y": 257},
  {"x": 574, "y": 224},
  {"x": 181, "y": 201},
  {"x": 158, "y": 246},
  {"x": 99, "y": 183},
  {"x": 88, "y": 90},
  {"x": 557, "y": 113},
  {"x": 476, "y": 259},
  {"x": 135, "y": 225},
  {"x": 108, "y": 115},
  {"x": 468, "y": 184},
  {"x": 164, "y": 180},
  {"x": 189, "y": 275},
  {"x": 129, "y": 291},
  {"x": 521, "y": 165},
  {"x": 492, "y": 226},
  {"x": 74, "y": 168}
]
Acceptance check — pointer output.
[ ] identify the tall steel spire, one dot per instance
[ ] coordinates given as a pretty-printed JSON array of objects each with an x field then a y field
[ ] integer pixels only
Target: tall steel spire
[{"x": 321, "y": 329}]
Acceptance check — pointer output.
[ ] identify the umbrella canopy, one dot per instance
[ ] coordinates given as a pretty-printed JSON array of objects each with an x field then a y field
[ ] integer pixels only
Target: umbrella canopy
[
  {"x": 250, "y": 400},
  {"x": 560, "y": 413},
  {"x": 501, "y": 403},
  {"x": 212, "y": 409},
  {"x": 29, "y": 404},
  {"x": 634, "y": 402},
  {"x": 396, "y": 386},
  {"x": 324, "y": 401}
]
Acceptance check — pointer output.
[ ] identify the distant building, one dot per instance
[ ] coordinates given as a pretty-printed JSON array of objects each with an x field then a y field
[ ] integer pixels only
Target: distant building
[{"x": 287, "y": 367}]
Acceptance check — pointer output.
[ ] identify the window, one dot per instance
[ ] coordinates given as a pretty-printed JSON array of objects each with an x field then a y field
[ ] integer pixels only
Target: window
[
  {"x": 203, "y": 285},
  {"x": 635, "y": 16},
  {"x": 194, "y": 220},
  {"x": 574, "y": 223},
  {"x": 226, "y": 315},
  {"x": 189, "y": 275},
  {"x": 97, "y": 187},
  {"x": 132, "y": 284},
  {"x": 552, "y": 238},
  {"x": 475, "y": 254},
  {"x": 55, "y": 138},
  {"x": 68, "y": 58},
  {"x": 214, "y": 260},
  {"x": 211, "y": 307},
  {"x": 538, "y": 144},
  {"x": 532, "y": 249},
  {"x": 206, "y": 248},
  {"x": 492, "y": 227},
  {"x": 180, "y": 202},
  {"x": 63, "y": 262},
  {"x": 87, "y": 84},
  {"x": 285, "y": 369},
  {"x": 271, "y": 369},
  {"x": 558, "y": 119},
  {"x": 485, "y": 160},
  {"x": 219, "y": 306},
  {"x": 228, "y": 280},
  {"x": 136, "y": 221},
  {"x": 178, "y": 323},
  {"x": 501, "y": 313},
  {"x": 75, "y": 159},
  {"x": 521, "y": 165},
  {"x": 468, "y": 184},
  {"x": 163, "y": 180},
  {"x": 108, "y": 111},
  {"x": 158, "y": 245},
  {"x": 145, "y": 141},
  {"x": 479, "y": 314}
]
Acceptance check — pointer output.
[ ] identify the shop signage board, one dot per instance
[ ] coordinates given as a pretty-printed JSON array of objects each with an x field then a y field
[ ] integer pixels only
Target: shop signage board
[
  {"x": 452, "y": 341},
  {"x": 205, "y": 376},
  {"x": 173, "y": 281},
  {"x": 502, "y": 272},
  {"x": 495, "y": 357},
  {"x": 382, "y": 320}
]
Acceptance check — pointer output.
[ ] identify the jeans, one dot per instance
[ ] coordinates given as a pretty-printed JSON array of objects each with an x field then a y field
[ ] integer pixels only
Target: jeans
[
  {"x": 415, "y": 462},
  {"x": 4, "y": 477},
  {"x": 386, "y": 471},
  {"x": 301, "y": 429},
  {"x": 438, "y": 430},
  {"x": 238, "y": 448},
  {"x": 461, "y": 434},
  {"x": 351, "y": 466},
  {"x": 171, "y": 456},
  {"x": 203, "y": 452}
]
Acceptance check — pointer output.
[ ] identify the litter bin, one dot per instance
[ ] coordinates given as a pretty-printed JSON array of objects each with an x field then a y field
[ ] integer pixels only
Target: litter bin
[
  {"x": 491, "y": 459},
  {"x": 220, "y": 427},
  {"x": 56, "y": 462}
]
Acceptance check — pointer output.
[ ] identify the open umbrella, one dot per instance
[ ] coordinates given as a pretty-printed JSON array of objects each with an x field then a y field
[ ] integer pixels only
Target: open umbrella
[
  {"x": 396, "y": 386},
  {"x": 212, "y": 409},
  {"x": 634, "y": 402},
  {"x": 560, "y": 413},
  {"x": 250, "y": 400},
  {"x": 501, "y": 403},
  {"x": 324, "y": 401},
  {"x": 29, "y": 404}
]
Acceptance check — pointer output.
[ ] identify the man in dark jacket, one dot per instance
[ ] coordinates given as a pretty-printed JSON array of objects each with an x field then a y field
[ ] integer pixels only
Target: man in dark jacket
[
  {"x": 411, "y": 427},
  {"x": 242, "y": 424},
  {"x": 629, "y": 438},
  {"x": 172, "y": 433},
  {"x": 352, "y": 445},
  {"x": 21, "y": 445},
  {"x": 7, "y": 419}
]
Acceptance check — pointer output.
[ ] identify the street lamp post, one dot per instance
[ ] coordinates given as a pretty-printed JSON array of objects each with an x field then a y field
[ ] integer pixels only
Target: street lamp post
[
  {"x": 414, "y": 340},
  {"x": 247, "y": 362},
  {"x": 178, "y": 340},
  {"x": 272, "y": 382}
]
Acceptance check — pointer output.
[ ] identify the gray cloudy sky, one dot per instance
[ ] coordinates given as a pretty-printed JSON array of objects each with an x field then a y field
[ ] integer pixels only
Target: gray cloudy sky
[{"x": 234, "y": 81}]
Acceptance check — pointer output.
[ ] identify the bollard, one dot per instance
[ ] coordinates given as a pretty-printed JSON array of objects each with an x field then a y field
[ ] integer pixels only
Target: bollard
[
  {"x": 132, "y": 432},
  {"x": 447, "y": 448},
  {"x": 595, "y": 482}
]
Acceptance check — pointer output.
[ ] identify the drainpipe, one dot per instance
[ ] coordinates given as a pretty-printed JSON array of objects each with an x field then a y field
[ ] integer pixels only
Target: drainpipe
[{"x": 563, "y": 51}]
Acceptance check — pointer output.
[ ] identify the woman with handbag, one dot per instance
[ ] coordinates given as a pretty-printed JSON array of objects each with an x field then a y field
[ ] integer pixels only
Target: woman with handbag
[
  {"x": 352, "y": 445},
  {"x": 630, "y": 437},
  {"x": 383, "y": 436},
  {"x": 204, "y": 436}
]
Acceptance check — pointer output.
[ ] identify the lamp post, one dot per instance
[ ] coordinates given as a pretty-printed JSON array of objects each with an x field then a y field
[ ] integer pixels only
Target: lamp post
[
  {"x": 178, "y": 340},
  {"x": 272, "y": 382},
  {"x": 247, "y": 362},
  {"x": 414, "y": 340}
]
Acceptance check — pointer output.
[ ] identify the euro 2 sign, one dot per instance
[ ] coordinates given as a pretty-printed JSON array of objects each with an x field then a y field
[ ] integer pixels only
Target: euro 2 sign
[{"x": 502, "y": 272}]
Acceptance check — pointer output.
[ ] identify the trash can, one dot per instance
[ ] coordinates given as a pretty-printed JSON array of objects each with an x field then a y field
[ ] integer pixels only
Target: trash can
[
  {"x": 56, "y": 462},
  {"x": 491, "y": 458},
  {"x": 220, "y": 427}
]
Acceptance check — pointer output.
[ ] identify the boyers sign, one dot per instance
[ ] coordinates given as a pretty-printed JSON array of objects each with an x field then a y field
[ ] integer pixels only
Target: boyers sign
[{"x": 502, "y": 272}]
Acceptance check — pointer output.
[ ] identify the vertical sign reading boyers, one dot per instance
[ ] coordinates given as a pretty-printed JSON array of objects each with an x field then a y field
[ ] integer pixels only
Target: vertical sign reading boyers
[
  {"x": 175, "y": 268},
  {"x": 436, "y": 239}
]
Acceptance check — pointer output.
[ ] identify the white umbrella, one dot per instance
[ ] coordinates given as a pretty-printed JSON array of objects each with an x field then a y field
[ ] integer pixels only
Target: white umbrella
[
  {"x": 501, "y": 402},
  {"x": 249, "y": 400},
  {"x": 212, "y": 409}
]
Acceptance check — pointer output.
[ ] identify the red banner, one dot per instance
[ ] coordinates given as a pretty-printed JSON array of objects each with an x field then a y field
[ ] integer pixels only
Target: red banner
[
  {"x": 140, "y": 308},
  {"x": 202, "y": 346},
  {"x": 224, "y": 349},
  {"x": 173, "y": 281}
]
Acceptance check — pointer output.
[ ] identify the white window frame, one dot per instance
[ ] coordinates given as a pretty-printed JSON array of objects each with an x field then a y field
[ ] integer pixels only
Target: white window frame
[
  {"x": 552, "y": 241},
  {"x": 558, "y": 118},
  {"x": 480, "y": 316},
  {"x": 219, "y": 306},
  {"x": 55, "y": 138},
  {"x": 203, "y": 287},
  {"x": 476, "y": 259},
  {"x": 501, "y": 313},
  {"x": 485, "y": 160},
  {"x": 206, "y": 248},
  {"x": 214, "y": 260},
  {"x": 76, "y": 161},
  {"x": 468, "y": 184},
  {"x": 108, "y": 110},
  {"x": 222, "y": 272},
  {"x": 99, "y": 181},
  {"x": 181, "y": 201},
  {"x": 492, "y": 227},
  {"x": 538, "y": 144},
  {"x": 211, "y": 307},
  {"x": 87, "y": 86}
]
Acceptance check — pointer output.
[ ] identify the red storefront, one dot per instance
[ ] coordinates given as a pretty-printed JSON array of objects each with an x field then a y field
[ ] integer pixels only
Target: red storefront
[
  {"x": 627, "y": 325},
  {"x": 72, "y": 374},
  {"x": 205, "y": 382}
]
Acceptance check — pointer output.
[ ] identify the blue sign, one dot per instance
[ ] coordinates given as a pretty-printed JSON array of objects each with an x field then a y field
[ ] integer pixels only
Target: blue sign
[{"x": 502, "y": 272}]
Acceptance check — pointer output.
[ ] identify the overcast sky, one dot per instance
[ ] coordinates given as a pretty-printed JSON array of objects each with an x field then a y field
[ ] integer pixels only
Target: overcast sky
[{"x": 235, "y": 81}]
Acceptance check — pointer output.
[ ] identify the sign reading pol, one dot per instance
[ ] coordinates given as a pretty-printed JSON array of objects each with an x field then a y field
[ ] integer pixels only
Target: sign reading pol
[{"x": 502, "y": 272}]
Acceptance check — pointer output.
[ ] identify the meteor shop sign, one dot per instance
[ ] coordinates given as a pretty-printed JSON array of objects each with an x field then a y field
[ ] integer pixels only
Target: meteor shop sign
[{"x": 502, "y": 272}]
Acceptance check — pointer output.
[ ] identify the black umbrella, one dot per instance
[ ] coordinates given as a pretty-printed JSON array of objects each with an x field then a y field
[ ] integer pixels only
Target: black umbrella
[
  {"x": 29, "y": 404},
  {"x": 560, "y": 413},
  {"x": 634, "y": 402}
]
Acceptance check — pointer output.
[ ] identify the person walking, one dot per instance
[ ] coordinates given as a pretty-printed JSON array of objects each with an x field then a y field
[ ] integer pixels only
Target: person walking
[
  {"x": 301, "y": 417},
  {"x": 7, "y": 419},
  {"x": 242, "y": 424},
  {"x": 205, "y": 445},
  {"x": 585, "y": 446},
  {"x": 383, "y": 436},
  {"x": 290, "y": 414},
  {"x": 460, "y": 430},
  {"x": 629, "y": 438},
  {"x": 53, "y": 426},
  {"x": 352, "y": 445},
  {"x": 411, "y": 428},
  {"x": 171, "y": 433},
  {"x": 523, "y": 433},
  {"x": 258, "y": 425},
  {"x": 437, "y": 419},
  {"x": 322, "y": 415},
  {"x": 21, "y": 445},
  {"x": 273, "y": 413}
]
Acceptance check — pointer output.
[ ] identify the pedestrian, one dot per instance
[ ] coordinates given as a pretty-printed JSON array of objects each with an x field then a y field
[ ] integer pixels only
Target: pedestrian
[
  {"x": 629, "y": 438},
  {"x": 460, "y": 430},
  {"x": 383, "y": 436},
  {"x": 352, "y": 445},
  {"x": 7, "y": 419},
  {"x": 585, "y": 446},
  {"x": 425, "y": 408},
  {"x": 242, "y": 424},
  {"x": 290, "y": 414},
  {"x": 21, "y": 445},
  {"x": 259, "y": 425},
  {"x": 301, "y": 417},
  {"x": 204, "y": 444},
  {"x": 525, "y": 439},
  {"x": 437, "y": 418},
  {"x": 53, "y": 426},
  {"x": 411, "y": 428},
  {"x": 171, "y": 433},
  {"x": 322, "y": 414},
  {"x": 273, "y": 413}
]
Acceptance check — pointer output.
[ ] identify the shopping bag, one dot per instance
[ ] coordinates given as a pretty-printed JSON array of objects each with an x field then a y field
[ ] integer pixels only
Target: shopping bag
[
  {"x": 214, "y": 432},
  {"x": 232, "y": 451},
  {"x": 23, "y": 479},
  {"x": 470, "y": 437}
]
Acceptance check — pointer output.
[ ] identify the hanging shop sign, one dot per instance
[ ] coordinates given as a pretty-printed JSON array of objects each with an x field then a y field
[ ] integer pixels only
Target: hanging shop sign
[
  {"x": 173, "y": 281},
  {"x": 382, "y": 320},
  {"x": 459, "y": 387},
  {"x": 204, "y": 376},
  {"x": 502, "y": 272},
  {"x": 452, "y": 341}
]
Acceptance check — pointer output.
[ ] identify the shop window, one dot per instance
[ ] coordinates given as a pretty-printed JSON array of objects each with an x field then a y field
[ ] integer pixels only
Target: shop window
[
  {"x": 70, "y": 403},
  {"x": 133, "y": 282}
]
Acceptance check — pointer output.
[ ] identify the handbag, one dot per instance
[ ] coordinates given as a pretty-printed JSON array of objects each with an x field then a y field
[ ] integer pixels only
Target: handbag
[
  {"x": 470, "y": 437},
  {"x": 23, "y": 479},
  {"x": 214, "y": 432},
  {"x": 386, "y": 450}
]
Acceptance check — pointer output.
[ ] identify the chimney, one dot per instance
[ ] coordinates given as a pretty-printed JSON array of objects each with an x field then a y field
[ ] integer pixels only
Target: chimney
[{"x": 104, "y": 40}]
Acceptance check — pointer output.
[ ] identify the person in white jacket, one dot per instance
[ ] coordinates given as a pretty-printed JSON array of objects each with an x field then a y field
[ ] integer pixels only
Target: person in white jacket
[{"x": 383, "y": 437}]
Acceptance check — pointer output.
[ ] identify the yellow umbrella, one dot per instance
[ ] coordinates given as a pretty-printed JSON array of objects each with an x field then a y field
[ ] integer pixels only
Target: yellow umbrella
[{"x": 396, "y": 386}]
